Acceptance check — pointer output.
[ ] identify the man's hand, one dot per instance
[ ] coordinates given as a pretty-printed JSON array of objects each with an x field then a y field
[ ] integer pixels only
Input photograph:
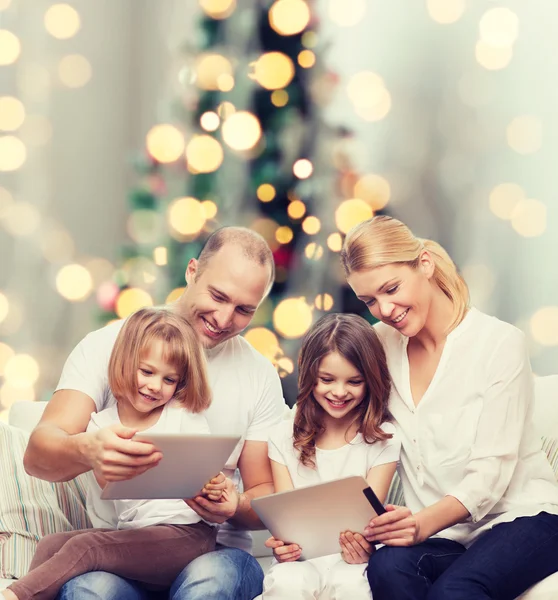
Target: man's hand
[
  {"x": 396, "y": 527},
  {"x": 114, "y": 456},
  {"x": 284, "y": 552},
  {"x": 215, "y": 488},
  {"x": 354, "y": 548},
  {"x": 217, "y": 512}
]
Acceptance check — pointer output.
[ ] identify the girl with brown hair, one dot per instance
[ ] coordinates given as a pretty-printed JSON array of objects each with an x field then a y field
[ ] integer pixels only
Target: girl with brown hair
[{"x": 340, "y": 429}]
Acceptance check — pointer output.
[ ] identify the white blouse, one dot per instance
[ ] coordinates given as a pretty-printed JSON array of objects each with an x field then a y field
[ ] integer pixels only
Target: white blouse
[{"x": 472, "y": 434}]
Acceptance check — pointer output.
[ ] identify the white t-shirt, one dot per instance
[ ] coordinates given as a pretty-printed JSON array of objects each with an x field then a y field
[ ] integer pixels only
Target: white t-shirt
[
  {"x": 354, "y": 458},
  {"x": 472, "y": 434},
  {"x": 247, "y": 396},
  {"x": 133, "y": 514}
]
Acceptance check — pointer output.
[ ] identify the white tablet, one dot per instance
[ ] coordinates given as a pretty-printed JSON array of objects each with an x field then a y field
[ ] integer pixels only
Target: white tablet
[
  {"x": 314, "y": 516},
  {"x": 188, "y": 463}
]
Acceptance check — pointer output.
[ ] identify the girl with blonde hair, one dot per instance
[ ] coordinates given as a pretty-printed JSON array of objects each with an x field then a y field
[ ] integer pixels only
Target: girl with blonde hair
[
  {"x": 481, "y": 514},
  {"x": 158, "y": 376}
]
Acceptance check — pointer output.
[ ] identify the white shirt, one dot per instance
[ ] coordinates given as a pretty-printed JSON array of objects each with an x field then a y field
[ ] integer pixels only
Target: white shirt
[
  {"x": 133, "y": 514},
  {"x": 472, "y": 434},
  {"x": 247, "y": 396},
  {"x": 354, "y": 458}
]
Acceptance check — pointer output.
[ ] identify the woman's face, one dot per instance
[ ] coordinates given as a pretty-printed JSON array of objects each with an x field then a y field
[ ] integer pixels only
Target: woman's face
[{"x": 397, "y": 295}]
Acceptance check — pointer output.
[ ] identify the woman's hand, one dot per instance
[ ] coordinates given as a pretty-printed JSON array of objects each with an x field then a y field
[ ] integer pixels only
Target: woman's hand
[
  {"x": 396, "y": 527},
  {"x": 284, "y": 552},
  {"x": 215, "y": 488},
  {"x": 354, "y": 548}
]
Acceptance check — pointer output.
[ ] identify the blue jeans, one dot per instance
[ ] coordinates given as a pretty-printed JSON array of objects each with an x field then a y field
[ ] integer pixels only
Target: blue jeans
[
  {"x": 503, "y": 563},
  {"x": 225, "y": 574}
]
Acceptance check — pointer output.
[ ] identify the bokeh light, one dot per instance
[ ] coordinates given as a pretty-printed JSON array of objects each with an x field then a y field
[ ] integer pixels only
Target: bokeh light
[
  {"x": 311, "y": 225},
  {"x": 10, "y": 394},
  {"x": 186, "y": 216},
  {"x": 491, "y": 57},
  {"x": 373, "y": 189},
  {"x": 209, "y": 68},
  {"x": 306, "y": 59},
  {"x": 204, "y": 154},
  {"x": 12, "y": 113},
  {"x": 4, "y": 4},
  {"x": 273, "y": 70},
  {"x": 499, "y": 27},
  {"x": 350, "y": 213},
  {"x": 524, "y": 134},
  {"x": 218, "y": 9},
  {"x": 62, "y": 21},
  {"x": 313, "y": 251},
  {"x": 279, "y": 98},
  {"x": 131, "y": 300},
  {"x": 504, "y": 198},
  {"x": 160, "y": 256},
  {"x": 292, "y": 317},
  {"x": 210, "y": 209},
  {"x": 210, "y": 121},
  {"x": 265, "y": 192},
  {"x": 368, "y": 93},
  {"x": 21, "y": 219},
  {"x": 4, "y": 307},
  {"x": 289, "y": 17},
  {"x": 445, "y": 11},
  {"x": 284, "y": 234},
  {"x": 285, "y": 366},
  {"x": 242, "y": 130},
  {"x": 296, "y": 209},
  {"x": 12, "y": 153},
  {"x": 74, "y": 282},
  {"x": 74, "y": 70},
  {"x": 21, "y": 371},
  {"x": 346, "y": 13},
  {"x": 544, "y": 326},
  {"x": 529, "y": 218},
  {"x": 264, "y": 341},
  {"x": 303, "y": 168},
  {"x": 174, "y": 295},
  {"x": 324, "y": 302},
  {"x": 165, "y": 143},
  {"x": 335, "y": 242},
  {"x": 10, "y": 47}
]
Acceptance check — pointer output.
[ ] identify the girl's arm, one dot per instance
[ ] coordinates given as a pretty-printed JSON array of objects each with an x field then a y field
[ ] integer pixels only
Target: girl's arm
[
  {"x": 379, "y": 479},
  {"x": 282, "y": 481}
]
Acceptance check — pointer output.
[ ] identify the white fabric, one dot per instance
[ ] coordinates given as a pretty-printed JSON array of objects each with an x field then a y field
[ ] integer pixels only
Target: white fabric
[
  {"x": 354, "y": 458},
  {"x": 133, "y": 514},
  {"x": 472, "y": 435},
  {"x": 247, "y": 396}
]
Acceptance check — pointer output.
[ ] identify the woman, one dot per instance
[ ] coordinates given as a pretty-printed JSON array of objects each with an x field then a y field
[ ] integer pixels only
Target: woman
[{"x": 473, "y": 472}]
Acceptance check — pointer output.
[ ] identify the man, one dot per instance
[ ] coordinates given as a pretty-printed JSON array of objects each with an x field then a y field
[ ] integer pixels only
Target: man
[{"x": 226, "y": 284}]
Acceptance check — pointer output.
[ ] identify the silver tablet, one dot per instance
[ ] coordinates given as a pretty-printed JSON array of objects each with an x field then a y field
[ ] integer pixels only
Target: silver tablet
[
  {"x": 314, "y": 516},
  {"x": 189, "y": 461}
]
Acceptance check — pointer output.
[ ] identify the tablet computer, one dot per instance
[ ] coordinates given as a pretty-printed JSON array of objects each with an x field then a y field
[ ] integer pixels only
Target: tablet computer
[
  {"x": 188, "y": 463},
  {"x": 314, "y": 516}
]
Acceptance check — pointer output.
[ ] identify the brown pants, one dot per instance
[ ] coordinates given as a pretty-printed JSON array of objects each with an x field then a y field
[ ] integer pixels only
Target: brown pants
[{"x": 152, "y": 555}]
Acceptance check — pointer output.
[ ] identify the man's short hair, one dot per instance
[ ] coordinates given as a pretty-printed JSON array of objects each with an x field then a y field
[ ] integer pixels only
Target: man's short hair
[{"x": 251, "y": 243}]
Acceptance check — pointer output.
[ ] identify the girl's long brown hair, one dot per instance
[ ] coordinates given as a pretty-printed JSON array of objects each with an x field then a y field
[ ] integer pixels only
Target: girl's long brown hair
[
  {"x": 181, "y": 349},
  {"x": 354, "y": 339}
]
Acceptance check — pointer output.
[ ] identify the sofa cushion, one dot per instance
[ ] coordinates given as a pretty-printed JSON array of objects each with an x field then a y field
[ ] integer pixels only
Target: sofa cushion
[{"x": 31, "y": 508}]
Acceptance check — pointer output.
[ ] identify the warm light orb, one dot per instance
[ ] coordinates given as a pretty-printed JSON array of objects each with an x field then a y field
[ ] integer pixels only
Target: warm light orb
[
  {"x": 165, "y": 143},
  {"x": 4, "y": 307},
  {"x": 160, "y": 256},
  {"x": 12, "y": 153},
  {"x": 445, "y": 11},
  {"x": 225, "y": 82},
  {"x": 292, "y": 317},
  {"x": 204, "y": 154},
  {"x": 209, "y": 209},
  {"x": 210, "y": 121},
  {"x": 21, "y": 370},
  {"x": 10, "y": 47},
  {"x": 311, "y": 225},
  {"x": 174, "y": 295},
  {"x": 285, "y": 366},
  {"x": 529, "y": 218},
  {"x": 365, "y": 89},
  {"x": 22, "y": 219},
  {"x": 242, "y": 131},
  {"x": 524, "y": 134},
  {"x": 265, "y": 192},
  {"x": 504, "y": 198},
  {"x": 499, "y": 27},
  {"x": 373, "y": 189},
  {"x": 273, "y": 70},
  {"x": 306, "y": 59},
  {"x": 303, "y": 168},
  {"x": 186, "y": 216},
  {"x": 323, "y": 302},
  {"x": 279, "y": 98},
  {"x": 346, "y": 13},
  {"x": 74, "y": 70},
  {"x": 313, "y": 251},
  {"x": 218, "y": 9},
  {"x": 226, "y": 109},
  {"x": 284, "y": 234},
  {"x": 544, "y": 326},
  {"x": 264, "y": 341},
  {"x": 296, "y": 209},
  {"x": 352, "y": 212},
  {"x": 378, "y": 111},
  {"x": 309, "y": 39},
  {"x": 74, "y": 282},
  {"x": 289, "y": 17},
  {"x": 209, "y": 67},
  {"x": 62, "y": 21},
  {"x": 12, "y": 113},
  {"x": 4, "y": 4},
  {"x": 492, "y": 57},
  {"x": 335, "y": 242},
  {"x": 131, "y": 300},
  {"x": 10, "y": 394}
]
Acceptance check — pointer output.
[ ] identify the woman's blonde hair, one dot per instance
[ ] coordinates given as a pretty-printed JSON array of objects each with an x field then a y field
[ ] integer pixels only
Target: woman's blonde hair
[
  {"x": 383, "y": 240},
  {"x": 181, "y": 349}
]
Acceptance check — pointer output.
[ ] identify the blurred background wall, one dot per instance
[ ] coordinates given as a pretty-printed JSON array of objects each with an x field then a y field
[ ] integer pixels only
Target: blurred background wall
[{"x": 439, "y": 112}]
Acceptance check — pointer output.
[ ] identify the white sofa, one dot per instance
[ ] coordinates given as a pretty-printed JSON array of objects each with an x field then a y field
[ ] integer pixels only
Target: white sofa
[{"x": 25, "y": 415}]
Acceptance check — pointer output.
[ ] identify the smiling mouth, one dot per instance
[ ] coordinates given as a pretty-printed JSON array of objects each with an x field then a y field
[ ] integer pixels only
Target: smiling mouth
[
  {"x": 400, "y": 317},
  {"x": 148, "y": 397},
  {"x": 338, "y": 403},
  {"x": 212, "y": 330}
]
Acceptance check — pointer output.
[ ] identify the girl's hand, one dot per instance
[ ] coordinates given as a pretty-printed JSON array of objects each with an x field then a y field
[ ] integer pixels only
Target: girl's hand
[
  {"x": 284, "y": 552},
  {"x": 214, "y": 488},
  {"x": 216, "y": 512},
  {"x": 354, "y": 548},
  {"x": 396, "y": 527}
]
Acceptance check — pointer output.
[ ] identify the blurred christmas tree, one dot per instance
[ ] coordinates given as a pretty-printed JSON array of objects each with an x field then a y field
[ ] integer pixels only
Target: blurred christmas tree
[{"x": 248, "y": 122}]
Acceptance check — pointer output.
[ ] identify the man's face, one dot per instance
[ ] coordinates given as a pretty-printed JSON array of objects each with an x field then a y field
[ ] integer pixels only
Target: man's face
[{"x": 220, "y": 302}]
